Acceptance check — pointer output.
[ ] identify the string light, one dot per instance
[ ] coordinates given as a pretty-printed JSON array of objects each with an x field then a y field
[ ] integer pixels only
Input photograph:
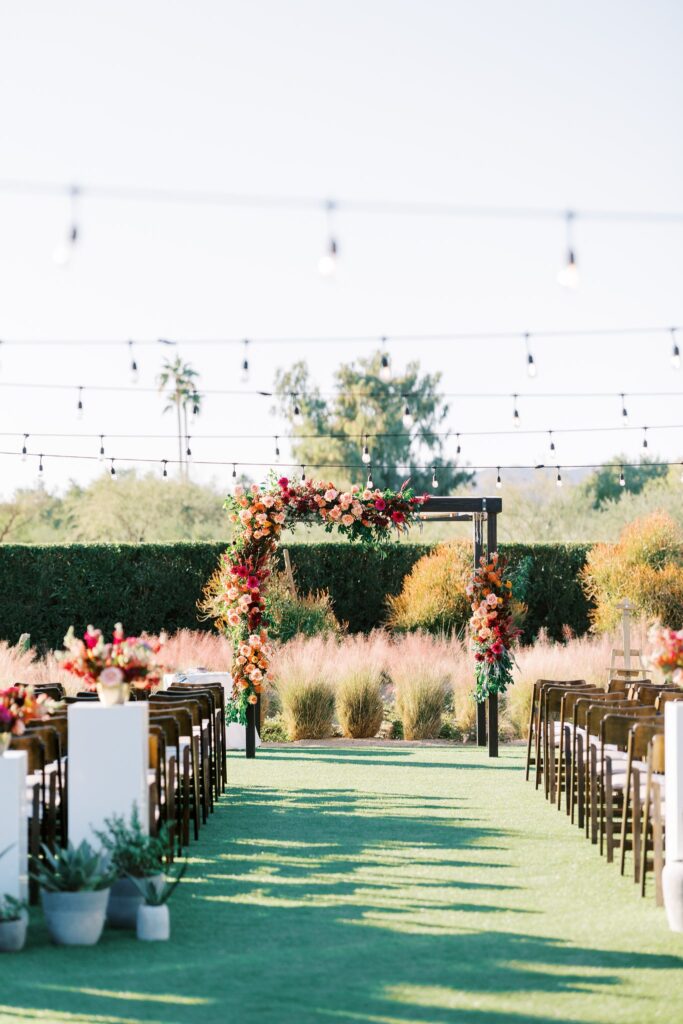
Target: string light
[
  {"x": 195, "y": 407},
  {"x": 303, "y": 474},
  {"x": 552, "y": 442},
  {"x": 188, "y": 450},
  {"x": 568, "y": 277},
  {"x": 79, "y": 407},
  {"x": 459, "y": 447},
  {"x": 40, "y": 465},
  {"x": 134, "y": 375},
  {"x": 101, "y": 454},
  {"x": 499, "y": 482},
  {"x": 675, "y": 351},
  {"x": 234, "y": 471},
  {"x": 515, "y": 413},
  {"x": 385, "y": 368},
  {"x": 622, "y": 478},
  {"x": 245, "y": 362},
  {"x": 23, "y": 450},
  {"x": 366, "y": 458},
  {"x": 112, "y": 471},
  {"x": 559, "y": 477},
  {"x": 408, "y": 418},
  {"x": 625, "y": 412},
  {"x": 530, "y": 364},
  {"x": 370, "y": 482},
  {"x": 297, "y": 418},
  {"x": 327, "y": 264},
  {"x": 164, "y": 470},
  {"x": 435, "y": 482},
  {"x": 277, "y": 449},
  {"x": 644, "y": 437},
  {"x": 64, "y": 251}
]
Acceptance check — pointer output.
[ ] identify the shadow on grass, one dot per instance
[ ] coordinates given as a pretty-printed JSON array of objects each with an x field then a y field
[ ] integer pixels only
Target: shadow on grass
[{"x": 315, "y": 905}]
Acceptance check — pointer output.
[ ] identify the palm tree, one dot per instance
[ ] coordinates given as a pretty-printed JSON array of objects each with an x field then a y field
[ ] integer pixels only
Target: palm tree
[{"x": 177, "y": 381}]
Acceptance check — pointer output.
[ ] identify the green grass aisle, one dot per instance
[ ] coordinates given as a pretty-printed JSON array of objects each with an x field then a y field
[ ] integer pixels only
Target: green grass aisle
[{"x": 385, "y": 885}]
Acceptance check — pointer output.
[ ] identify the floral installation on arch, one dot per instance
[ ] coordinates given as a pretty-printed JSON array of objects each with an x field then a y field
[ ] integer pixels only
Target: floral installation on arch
[
  {"x": 492, "y": 629},
  {"x": 235, "y": 594}
]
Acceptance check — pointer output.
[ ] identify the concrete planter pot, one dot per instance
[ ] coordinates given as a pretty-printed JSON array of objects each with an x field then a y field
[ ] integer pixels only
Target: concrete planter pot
[
  {"x": 154, "y": 923},
  {"x": 124, "y": 900},
  {"x": 75, "y": 918},
  {"x": 13, "y": 934}
]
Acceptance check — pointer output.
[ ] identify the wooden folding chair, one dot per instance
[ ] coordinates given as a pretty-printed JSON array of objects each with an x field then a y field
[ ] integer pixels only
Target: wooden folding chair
[
  {"x": 636, "y": 766},
  {"x": 653, "y": 815},
  {"x": 536, "y": 720}
]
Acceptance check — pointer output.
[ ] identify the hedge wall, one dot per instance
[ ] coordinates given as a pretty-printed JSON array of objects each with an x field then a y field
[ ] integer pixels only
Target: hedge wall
[{"x": 155, "y": 586}]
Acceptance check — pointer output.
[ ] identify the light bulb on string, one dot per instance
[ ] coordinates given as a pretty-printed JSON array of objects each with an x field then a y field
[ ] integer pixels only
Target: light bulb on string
[
  {"x": 164, "y": 469},
  {"x": 408, "y": 418},
  {"x": 568, "y": 277},
  {"x": 188, "y": 450},
  {"x": 327, "y": 264},
  {"x": 195, "y": 408},
  {"x": 277, "y": 449},
  {"x": 624, "y": 410},
  {"x": 297, "y": 418},
  {"x": 303, "y": 474},
  {"x": 675, "y": 351},
  {"x": 515, "y": 413},
  {"x": 101, "y": 453},
  {"x": 234, "y": 471},
  {"x": 370, "y": 482},
  {"x": 385, "y": 368},
  {"x": 112, "y": 471},
  {"x": 558, "y": 481},
  {"x": 459, "y": 447},
  {"x": 79, "y": 407},
  {"x": 64, "y": 251},
  {"x": 366, "y": 454},
  {"x": 645, "y": 438},
  {"x": 134, "y": 374},
  {"x": 499, "y": 482},
  {"x": 245, "y": 362},
  {"x": 530, "y": 364},
  {"x": 23, "y": 450},
  {"x": 435, "y": 482},
  {"x": 551, "y": 440},
  {"x": 622, "y": 478},
  {"x": 40, "y": 467}
]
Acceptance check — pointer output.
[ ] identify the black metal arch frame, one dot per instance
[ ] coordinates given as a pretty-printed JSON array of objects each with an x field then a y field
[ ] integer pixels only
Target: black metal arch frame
[{"x": 479, "y": 511}]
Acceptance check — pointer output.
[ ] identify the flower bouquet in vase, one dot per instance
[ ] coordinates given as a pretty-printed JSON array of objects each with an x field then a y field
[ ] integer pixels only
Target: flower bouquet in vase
[
  {"x": 111, "y": 669},
  {"x": 667, "y": 653},
  {"x": 19, "y": 705},
  {"x": 492, "y": 628}
]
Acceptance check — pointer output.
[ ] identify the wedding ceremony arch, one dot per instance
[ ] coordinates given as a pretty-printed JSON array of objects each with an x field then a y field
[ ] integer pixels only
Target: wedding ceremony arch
[{"x": 235, "y": 594}]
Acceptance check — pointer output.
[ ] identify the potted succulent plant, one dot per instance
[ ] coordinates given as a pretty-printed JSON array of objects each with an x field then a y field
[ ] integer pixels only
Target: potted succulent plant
[
  {"x": 153, "y": 918},
  {"x": 74, "y": 889},
  {"x": 133, "y": 855},
  {"x": 13, "y": 924}
]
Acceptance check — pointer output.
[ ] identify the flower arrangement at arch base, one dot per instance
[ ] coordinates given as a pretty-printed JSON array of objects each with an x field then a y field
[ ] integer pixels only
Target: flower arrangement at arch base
[
  {"x": 235, "y": 594},
  {"x": 492, "y": 628}
]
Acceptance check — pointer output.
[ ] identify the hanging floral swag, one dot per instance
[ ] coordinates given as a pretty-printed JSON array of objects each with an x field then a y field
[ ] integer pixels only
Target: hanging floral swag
[
  {"x": 492, "y": 628},
  {"x": 235, "y": 595}
]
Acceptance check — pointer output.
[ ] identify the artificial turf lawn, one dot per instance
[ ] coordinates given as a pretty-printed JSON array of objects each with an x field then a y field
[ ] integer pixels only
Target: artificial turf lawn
[{"x": 385, "y": 884}]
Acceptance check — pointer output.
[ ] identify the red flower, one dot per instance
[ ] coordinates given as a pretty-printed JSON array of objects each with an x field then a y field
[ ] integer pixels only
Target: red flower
[
  {"x": 380, "y": 504},
  {"x": 398, "y": 517},
  {"x": 253, "y": 582},
  {"x": 283, "y": 482}
]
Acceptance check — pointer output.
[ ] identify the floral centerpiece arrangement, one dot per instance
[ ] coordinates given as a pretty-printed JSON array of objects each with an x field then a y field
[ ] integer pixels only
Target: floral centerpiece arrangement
[
  {"x": 235, "y": 595},
  {"x": 667, "y": 652},
  {"x": 19, "y": 705},
  {"x": 492, "y": 629},
  {"x": 112, "y": 668}
]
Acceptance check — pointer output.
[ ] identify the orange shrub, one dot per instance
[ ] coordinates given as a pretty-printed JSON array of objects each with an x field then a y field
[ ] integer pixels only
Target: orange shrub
[
  {"x": 433, "y": 596},
  {"x": 645, "y": 565}
]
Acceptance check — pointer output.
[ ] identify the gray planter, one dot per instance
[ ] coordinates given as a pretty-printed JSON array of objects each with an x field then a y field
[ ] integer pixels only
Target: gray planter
[
  {"x": 124, "y": 900},
  {"x": 154, "y": 923},
  {"x": 75, "y": 918},
  {"x": 13, "y": 934}
]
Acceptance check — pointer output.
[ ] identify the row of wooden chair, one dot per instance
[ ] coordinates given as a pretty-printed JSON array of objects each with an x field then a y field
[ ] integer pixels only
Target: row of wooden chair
[{"x": 599, "y": 753}]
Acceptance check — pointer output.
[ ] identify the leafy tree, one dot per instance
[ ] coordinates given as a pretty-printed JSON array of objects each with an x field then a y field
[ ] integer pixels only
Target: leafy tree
[
  {"x": 603, "y": 485},
  {"x": 366, "y": 405},
  {"x": 178, "y": 380}
]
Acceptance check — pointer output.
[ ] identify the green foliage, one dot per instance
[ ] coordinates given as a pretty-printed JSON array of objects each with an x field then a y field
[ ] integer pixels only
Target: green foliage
[
  {"x": 546, "y": 579},
  {"x": 420, "y": 700},
  {"x": 603, "y": 485},
  {"x": 11, "y": 909},
  {"x": 360, "y": 708},
  {"x": 433, "y": 595},
  {"x": 273, "y": 730},
  {"x": 131, "y": 851},
  {"x": 155, "y": 895},
  {"x": 72, "y": 869},
  {"x": 365, "y": 404},
  {"x": 307, "y": 614}
]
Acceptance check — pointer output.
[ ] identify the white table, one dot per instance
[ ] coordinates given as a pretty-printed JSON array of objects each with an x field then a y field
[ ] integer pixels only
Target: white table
[{"x": 108, "y": 766}]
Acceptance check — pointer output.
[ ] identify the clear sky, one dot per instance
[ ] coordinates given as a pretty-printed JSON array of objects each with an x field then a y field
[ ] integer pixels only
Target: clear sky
[{"x": 493, "y": 103}]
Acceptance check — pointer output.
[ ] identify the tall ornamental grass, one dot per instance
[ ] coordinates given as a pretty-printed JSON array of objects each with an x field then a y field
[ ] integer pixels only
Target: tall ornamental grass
[
  {"x": 359, "y": 678},
  {"x": 305, "y": 692},
  {"x": 421, "y": 670}
]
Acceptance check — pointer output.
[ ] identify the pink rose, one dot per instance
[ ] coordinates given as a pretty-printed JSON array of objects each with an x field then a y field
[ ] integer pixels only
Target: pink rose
[
  {"x": 331, "y": 494},
  {"x": 348, "y": 520},
  {"x": 380, "y": 504}
]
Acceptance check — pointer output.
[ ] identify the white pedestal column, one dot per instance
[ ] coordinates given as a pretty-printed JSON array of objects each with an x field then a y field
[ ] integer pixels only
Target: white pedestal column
[
  {"x": 673, "y": 869},
  {"x": 108, "y": 765},
  {"x": 13, "y": 825}
]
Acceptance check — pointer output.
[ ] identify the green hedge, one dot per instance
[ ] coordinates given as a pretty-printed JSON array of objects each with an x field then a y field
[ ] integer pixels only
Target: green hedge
[{"x": 156, "y": 586}]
